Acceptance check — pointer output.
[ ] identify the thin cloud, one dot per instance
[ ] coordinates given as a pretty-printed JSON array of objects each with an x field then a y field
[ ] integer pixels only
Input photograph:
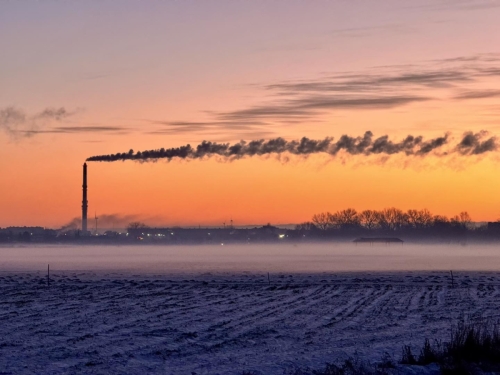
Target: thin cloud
[
  {"x": 359, "y": 32},
  {"x": 380, "y": 88},
  {"x": 480, "y": 57},
  {"x": 309, "y": 106},
  {"x": 383, "y": 88},
  {"x": 272, "y": 111},
  {"x": 253, "y": 135},
  {"x": 468, "y": 69},
  {"x": 189, "y": 126},
  {"x": 80, "y": 129},
  {"x": 236, "y": 128},
  {"x": 220, "y": 133},
  {"x": 224, "y": 136},
  {"x": 373, "y": 82},
  {"x": 89, "y": 129},
  {"x": 461, "y": 5},
  {"x": 387, "y": 88},
  {"x": 377, "y": 102},
  {"x": 16, "y": 123},
  {"x": 213, "y": 123},
  {"x": 478, "y": 94}
]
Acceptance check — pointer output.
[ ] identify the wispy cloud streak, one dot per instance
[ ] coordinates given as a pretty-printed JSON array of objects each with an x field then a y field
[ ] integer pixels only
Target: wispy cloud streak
[
  {"x": 478, "y": 94},
  {"x": 379, "y": 88},
  {"x": 83, "y": 129},
  {"x": 460, "y": 5},
  {"x": 17, "y": 124},
  {"x": 312, "y": 105}
]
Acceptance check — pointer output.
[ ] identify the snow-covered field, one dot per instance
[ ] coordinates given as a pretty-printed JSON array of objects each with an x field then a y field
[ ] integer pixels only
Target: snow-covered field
[{"x": 208, "y": 310}]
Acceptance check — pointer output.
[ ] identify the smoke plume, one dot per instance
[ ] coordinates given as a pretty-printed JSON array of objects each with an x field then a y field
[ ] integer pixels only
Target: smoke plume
[
  {"x": 473, "y": 144},
  {"x": 74, "y": 224},
  {"x": 470, "y": 144},
  {"x": 106, "y": 221}
]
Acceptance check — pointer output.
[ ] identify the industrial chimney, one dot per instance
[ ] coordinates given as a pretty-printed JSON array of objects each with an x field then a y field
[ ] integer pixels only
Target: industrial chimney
[{"x": 84, "y": 201}]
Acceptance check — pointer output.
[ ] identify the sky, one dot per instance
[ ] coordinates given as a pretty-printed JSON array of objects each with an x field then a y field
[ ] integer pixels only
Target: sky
[{"x": 80, "y": 79}]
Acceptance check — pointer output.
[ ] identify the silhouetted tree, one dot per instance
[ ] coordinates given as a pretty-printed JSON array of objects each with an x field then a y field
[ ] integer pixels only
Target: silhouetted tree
[
  {"x": 347, "y": 218},
  {"x": 306, "y": 226},
  {"x": 462, "y": 220},
  {"x": 322, "y": 220},
  {"x": 441, "y": 223},
  {"x": 369, "y": 219},
  {"x": 419, "y": 218},
  {"x": 136, "y": 225},
  {"x": 393, "y": 218}
]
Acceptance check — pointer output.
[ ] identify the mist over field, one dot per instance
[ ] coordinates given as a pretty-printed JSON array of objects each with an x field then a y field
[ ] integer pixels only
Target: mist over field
[
  {"x": 263, "y": 258},
  {"x": 213, "y": 309}
]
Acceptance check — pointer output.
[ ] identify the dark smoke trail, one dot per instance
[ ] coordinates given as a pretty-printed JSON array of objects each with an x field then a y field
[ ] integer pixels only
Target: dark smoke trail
[{"x": 470, "y": 144}]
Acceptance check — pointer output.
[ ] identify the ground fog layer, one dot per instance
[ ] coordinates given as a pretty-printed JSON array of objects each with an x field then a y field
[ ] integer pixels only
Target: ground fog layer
[{"x": 304, "y": 257}]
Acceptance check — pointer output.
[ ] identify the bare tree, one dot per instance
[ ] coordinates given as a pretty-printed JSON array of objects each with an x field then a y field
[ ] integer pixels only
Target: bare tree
[
  {"x": 322, "y": 220},
  {"x": 440, "y": 220},
  {"x": 369, "y": 219},
  {"x": 305, "y": 226},
  {"x": 462, "y": 220},
  {"x": 333, "y": 220},
  {"x": 137, "y": 225},
  {"x": 412, "y": 216},
  {"x": 347, "y": 218},
  {"x": 387, "y": 219},
  {"x": 465, "y": 219},
  {"x": 425, "y": 218},
  {"x": 419, "y": 218},
  {"x": 394, "y": 218},
  {"x": 381, "y": 220}
]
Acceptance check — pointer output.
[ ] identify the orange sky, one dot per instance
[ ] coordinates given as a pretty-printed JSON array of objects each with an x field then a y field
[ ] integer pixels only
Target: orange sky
[{"x": 84, "y": 79}]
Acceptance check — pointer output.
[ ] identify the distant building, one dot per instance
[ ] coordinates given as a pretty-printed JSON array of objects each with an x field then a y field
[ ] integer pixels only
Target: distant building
[
  {"x": 209, "y": 235},
  {"x": 27, "y": 234},
  {"x": 378, "y": 240},
  {"x": 20, "y": 230}
]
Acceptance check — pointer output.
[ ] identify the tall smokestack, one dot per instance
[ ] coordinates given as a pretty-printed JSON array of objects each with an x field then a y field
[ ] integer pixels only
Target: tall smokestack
[{"x": 84, "y": 200}]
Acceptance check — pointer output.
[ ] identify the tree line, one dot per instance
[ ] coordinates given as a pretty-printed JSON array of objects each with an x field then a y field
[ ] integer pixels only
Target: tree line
[{"x": 387, "y": 220}]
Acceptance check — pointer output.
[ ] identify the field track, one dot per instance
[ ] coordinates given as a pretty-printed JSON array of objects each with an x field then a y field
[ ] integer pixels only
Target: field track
[{"x": 208, "y": 324}]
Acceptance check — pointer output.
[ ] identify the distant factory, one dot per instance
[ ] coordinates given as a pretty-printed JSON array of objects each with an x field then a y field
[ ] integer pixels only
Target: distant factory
[
  {"x": 137, "y": 232},
  {"x": 27, "y": 234},
  {"x": 230, "y": 234},
  {"x": 212, "y": 235}
]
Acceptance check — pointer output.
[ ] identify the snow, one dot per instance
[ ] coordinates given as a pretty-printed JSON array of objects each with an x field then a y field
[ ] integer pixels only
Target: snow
[{"x": 207, "y": 310}]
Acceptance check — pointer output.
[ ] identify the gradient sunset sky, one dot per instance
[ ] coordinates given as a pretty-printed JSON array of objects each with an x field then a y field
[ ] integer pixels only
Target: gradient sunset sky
[{"x": 84, "y": 78}]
